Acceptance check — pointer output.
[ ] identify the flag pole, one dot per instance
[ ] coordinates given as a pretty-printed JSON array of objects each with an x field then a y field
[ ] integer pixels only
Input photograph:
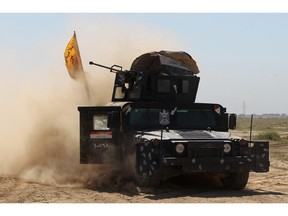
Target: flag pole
[
  {"x": 82, "y": 70},
  {"x": 86, "y": 87}
]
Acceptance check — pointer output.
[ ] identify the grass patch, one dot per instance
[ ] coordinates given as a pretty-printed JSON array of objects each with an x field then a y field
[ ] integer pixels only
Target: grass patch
[
  {"x": 269, "y": 135},
  {"x": 262, "y": 124}
]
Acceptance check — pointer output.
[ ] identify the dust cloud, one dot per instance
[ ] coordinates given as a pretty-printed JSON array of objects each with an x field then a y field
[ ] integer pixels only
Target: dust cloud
[{"x": 39, "y": 136}]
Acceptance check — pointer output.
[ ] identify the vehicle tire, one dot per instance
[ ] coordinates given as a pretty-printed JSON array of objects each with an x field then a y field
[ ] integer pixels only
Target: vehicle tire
[
  {"x": 149, "y": 181},
  {"x": 235, "y": 181},
  {"x": 148, "y": 172}
]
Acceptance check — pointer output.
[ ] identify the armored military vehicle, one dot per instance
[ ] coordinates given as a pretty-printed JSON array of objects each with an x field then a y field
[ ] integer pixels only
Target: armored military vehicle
[{"x": 153, "y": 118}]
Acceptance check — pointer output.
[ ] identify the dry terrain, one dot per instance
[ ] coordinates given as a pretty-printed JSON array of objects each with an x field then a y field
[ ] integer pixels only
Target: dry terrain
[{"x": 271, "y": 187}]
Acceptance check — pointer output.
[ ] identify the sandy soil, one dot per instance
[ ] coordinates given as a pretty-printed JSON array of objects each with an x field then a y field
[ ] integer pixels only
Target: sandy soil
[{"x": 271, "y": 187}]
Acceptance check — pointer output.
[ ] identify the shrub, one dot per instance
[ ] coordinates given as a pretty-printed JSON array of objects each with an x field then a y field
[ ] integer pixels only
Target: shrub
[{"x": 269, "y": 135}]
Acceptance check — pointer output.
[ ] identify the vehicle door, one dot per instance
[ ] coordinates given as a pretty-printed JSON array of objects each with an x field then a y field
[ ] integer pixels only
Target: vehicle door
[{"x": 99, "y": 129}]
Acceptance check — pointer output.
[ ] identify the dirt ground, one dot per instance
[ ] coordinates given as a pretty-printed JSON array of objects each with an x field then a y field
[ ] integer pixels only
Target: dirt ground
[{"x": 271, "y": 187}]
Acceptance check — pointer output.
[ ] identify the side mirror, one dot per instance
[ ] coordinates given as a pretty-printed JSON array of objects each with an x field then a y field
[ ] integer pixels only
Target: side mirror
[
  {"x": 232, "y": 121},
  {"x": 113, "y": 120}
]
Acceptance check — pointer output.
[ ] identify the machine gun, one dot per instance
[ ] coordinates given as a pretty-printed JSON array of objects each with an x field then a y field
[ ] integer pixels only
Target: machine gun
[
  {"x": 127, "y": 75},
  {"x": 128, "y": 84},
  {"x": 112, "y": 68}
]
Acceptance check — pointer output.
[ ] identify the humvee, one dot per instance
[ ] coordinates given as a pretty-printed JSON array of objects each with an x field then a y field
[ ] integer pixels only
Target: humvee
[{"x": 153, "y": 118}]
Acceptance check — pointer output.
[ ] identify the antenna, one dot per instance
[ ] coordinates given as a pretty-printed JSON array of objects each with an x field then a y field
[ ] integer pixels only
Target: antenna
[{"x": 251, "y": 123}]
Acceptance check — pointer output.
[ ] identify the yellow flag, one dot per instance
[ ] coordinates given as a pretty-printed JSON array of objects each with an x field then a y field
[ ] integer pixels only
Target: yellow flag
[{"x": 73, "y": 59}]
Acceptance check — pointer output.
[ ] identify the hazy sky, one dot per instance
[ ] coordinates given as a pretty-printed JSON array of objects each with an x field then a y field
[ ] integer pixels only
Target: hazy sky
[{"x": 242, "y": 57}]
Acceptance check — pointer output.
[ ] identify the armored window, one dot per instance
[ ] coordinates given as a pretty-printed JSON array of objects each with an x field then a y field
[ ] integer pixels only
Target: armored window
[
  {"x": 185, "y": 86},
  {"x": 119, "y": 94},
  {"x": 135, "y": 92},
  {"x": 163, "y": 86},
  {"x": 100, "y": 122},
  {"x": 144, "y": 118},
  {"x": 196, "y": 118}
]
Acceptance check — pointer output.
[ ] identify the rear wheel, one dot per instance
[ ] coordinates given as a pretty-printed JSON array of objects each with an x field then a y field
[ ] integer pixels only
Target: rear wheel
[{"x": 235, "y": 181}]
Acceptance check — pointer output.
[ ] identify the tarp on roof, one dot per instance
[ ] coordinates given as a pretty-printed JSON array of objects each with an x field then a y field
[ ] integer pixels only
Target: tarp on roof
[{"x": 170, "y": 62}]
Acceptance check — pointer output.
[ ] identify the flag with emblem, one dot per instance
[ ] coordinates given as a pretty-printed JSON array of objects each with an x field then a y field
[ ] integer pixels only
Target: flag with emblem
[{"x": 73, "y": 59}]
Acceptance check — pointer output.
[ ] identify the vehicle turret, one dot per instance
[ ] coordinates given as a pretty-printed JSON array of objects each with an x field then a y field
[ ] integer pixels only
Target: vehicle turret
[{"x": 157, "y": 76}]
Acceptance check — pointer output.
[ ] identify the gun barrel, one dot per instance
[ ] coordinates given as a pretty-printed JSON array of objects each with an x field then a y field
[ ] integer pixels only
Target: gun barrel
[{"x": 112, "y": 69}]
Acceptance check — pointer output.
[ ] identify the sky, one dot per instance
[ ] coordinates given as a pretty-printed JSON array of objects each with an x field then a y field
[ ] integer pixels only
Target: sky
[{"x": 242, "y": 57}]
